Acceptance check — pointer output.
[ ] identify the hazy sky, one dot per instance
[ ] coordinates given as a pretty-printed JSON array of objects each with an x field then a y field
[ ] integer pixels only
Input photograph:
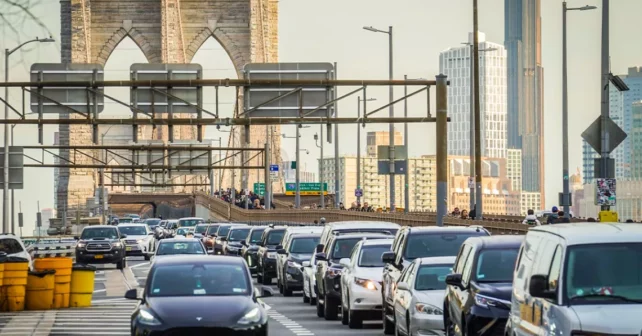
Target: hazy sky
[{"x": 330, "y": 31}]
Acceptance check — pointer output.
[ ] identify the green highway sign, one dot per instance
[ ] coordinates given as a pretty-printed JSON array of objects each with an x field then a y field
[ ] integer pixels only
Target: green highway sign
[
  {"x": 306, "y": 188},
  {"x": 259, "y": 189}
]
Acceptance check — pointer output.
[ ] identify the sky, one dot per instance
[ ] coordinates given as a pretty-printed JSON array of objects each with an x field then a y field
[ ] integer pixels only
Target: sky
[{"x": 331, "y": 31}]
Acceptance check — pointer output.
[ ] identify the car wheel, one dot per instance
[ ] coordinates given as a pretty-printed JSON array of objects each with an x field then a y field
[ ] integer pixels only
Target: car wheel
[
  {"x": 354, "y": 319},
  {"x": 388, "y": 327},
  {"x": 344, "y": 314},
  {"x": 121, "y": 264},
  {"x": 330, "y": 308},
  {"x": 306, "y": 297},
  {"x": 449, "y": 326},
  {"x": 147, "y": 257},
  {"x": 320, "y": 309},
  {"x": 267, "y": 280},
  {"x": 259, "y": 277}
]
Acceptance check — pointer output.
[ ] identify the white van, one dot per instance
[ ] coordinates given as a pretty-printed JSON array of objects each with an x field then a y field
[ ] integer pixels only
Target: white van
[{"x": 578, "y": 279}]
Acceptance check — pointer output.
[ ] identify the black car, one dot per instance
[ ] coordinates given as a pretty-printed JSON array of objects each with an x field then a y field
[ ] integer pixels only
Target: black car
[
  {"x": 328, "y": 270},
  {"x": 251, "y": 247},
  {"x": 297, "y": 250},
  {"x": 266, "y": 270},
  {"x": 199, "y": 295},
  {"x": 200, "y": 231},
  {"x": 478, "y": 292},
  {"x": 221, "y": 234},
  {"x": 232, "y": 244},
  {"x": 101, "y": 244}
]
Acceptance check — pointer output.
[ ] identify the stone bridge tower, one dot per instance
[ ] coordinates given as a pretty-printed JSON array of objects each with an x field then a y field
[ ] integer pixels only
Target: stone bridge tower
[{"x": 167, "y": 31}]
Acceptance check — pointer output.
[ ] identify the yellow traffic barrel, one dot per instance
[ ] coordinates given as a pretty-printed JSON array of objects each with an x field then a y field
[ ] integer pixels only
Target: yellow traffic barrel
[
  {"x": 40, "y": 290},
  {"x": 62, "y": 279},
  {"x": 3, "y": 258},
  {"x": 82, "y": 285},
  {"x": 12, "y": 295}
]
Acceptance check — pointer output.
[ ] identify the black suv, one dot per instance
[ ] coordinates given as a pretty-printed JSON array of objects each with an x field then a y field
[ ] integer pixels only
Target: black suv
[
  {"x": 296, "y": 251},
  {"x": 478, "y": 292},
  {"x": 328, "y": 270},
  {"x": 411, "y": 243},
  {"x": 266, "y": 256},
  {"x": 101, "y": 244},
  {"x": 251, "y": 247},
  {"x": 232, "y": 243},
  {"x": 221, "y": 235}
]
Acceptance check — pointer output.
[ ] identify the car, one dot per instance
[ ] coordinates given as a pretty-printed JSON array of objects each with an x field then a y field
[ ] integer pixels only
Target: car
[
  {"x": 221, "y": 235},
  {"x": 418, "y": 242},
  {"x": 478, "y": 292},
  {"x": 266, "y": 270},
  {"x": 328, "y": 270},
  {"x": 210, "y": 236},
  {"x": 280, "y": 258},
  {"x": 581, "y": 278},
  {"x": 140, "y": 240},
  {"x": 200, "y": 231},
  {"x": 152, "y": 222},
  {"x": 334, "y": 228},
  {"x": 308, "y": 268},
  {"x": 251, "y": 247},
  {"x": 13, "y": 246},
  {"x": 199, "y": 295},
  {"x": 184, "y": 232},
  {"x": 160, "y": 230},
  {"x": 172, "y": 226},
  {"x": 361, "y": 282},
  {"x": 419, "y": 295},
  {"x": 190, "y": 221},
  {"x": 232, "y": 243},
  {"x": 178, "y": 246},
  {"x": 299, "y": 248},
  {"x": 101, "y": 244}
]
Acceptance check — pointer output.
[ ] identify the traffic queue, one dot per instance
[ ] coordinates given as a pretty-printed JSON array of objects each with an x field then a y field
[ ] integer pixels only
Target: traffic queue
[{"x": 567, "y": 279}]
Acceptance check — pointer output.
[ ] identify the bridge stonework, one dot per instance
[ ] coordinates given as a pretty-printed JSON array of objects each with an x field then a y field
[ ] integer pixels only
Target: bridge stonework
[{"x": 167, "y": 31}]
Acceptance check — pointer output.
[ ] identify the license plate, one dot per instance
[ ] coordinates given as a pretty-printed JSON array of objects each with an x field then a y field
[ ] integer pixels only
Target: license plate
[
  {"x": 100, "y": 256},
  {"x": 128, "y": 248}
]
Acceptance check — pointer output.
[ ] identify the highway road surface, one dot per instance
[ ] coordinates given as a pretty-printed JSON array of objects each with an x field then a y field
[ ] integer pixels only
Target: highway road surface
[{"x": 110, "y": 312}]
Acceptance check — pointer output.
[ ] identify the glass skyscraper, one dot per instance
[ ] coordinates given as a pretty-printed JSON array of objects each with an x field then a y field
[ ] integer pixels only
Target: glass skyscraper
[{"x": 523, "y": 40}]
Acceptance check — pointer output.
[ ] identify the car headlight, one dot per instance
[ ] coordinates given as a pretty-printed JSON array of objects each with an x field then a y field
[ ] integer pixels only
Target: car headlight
[
  {"x": 118, "y": 244},
  {"x": 294, "y": 264},
  {"x": 271, "y": 255},
  {"x": 81, "y": 245},
  {"x": 140, "y": 241},
  {"x": 485, "y": 301},
  {"x": 333, "y": 272},
  {"x": 253, "y": 316},
  {"x": 428, "y": 309},
  {"x": 365, "y": 283},
  {"x": 147, "y": 317},
  {"x": 232, "y": 248}
]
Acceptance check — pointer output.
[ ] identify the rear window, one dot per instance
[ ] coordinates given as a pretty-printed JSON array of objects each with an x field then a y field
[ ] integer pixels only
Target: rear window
[
  {"x": 200, "y": 229},
  {"x": 190, "y": 222},
  {"x": 256, "y": 235},
  {"x": 436, "y": 245},
  {"x": 10, "y": 246}
]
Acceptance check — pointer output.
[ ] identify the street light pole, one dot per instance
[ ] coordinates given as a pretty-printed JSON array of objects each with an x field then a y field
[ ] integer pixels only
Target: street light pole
[
  {"x": 297, "y": 195},
  {"x": 472, "y": 129},
  {"x": 406, "y": 196},
  {"x": 359, "y": 100},
  {"x": 478, "y": 163},
  {"x": 5, "y": 195}
]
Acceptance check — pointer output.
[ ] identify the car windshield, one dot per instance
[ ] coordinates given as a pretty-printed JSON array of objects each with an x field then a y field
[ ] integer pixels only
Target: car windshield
[
  {"x": 238, "y": 234},
  {"x": 304, "y": 245},
  {"x": 106, "y": 233},
  {"x": 496, "y": 265},
  {"x": 256, "y": 235},
  {"x": 188, "y": 247},
  {"x": 125, "y": 220},
  {"x": 196, "y": 279},
  {"x": 152, "y": 221},
  {"x": 183, "y": 231},
  {"x": 134, "y": 230},
  {"x": 604, "y": 273},
  {"x": 436, "y": 245},
  {"x": 200, "y": 229},
  {"x": 189, "y": 222},
  {"x": 371, "y": 255},
  {"x": 343, "y": 247},
  {"x": 432, "y": 277},
  {"x": 275, "y": 237},
  {"x": 211, "y": 230}
]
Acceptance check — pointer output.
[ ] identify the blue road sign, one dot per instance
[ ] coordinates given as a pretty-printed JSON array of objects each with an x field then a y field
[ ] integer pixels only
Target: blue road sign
[
  {"x": 274, "y": 168},
  {"x": 358, "y": 192}
]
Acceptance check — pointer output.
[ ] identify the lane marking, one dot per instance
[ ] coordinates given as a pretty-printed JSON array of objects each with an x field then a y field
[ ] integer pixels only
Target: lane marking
[{"x": 289, "y": 324}]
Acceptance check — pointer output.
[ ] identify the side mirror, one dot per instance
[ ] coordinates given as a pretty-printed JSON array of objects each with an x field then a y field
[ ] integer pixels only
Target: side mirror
[
  {"x": 279, "y": 247},
  {"x": 123, "y": 236},
  {"x": 538, "y": 287},
  {"x": 150, "y": 234},
  {"x": 454, "y": 280},
  {"x": 403, "y": 286},
  {"x": 132, "y": 294},
  {"x": 320, "y": 256},
  {"x": 345, "y": 262},
  {"x": 223, "y": 238},
  {"x": 319, "y": 248},
  {"x": 76, "y": 238},
  {"x": 388, "y": 257},
  {"x": 305, "y": 264},
  {"x": 281, "y": 251}
]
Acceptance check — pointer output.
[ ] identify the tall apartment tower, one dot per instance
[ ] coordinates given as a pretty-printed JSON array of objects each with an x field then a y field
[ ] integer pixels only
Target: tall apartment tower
[
  {"x": 456, "y": 64},
  {"x": 523, "y": 41}
]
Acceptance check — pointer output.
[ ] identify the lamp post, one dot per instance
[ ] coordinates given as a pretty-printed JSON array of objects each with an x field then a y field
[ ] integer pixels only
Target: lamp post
[
  {"x": 391, "y": 113},
  {"x": 321, "y": 179},
  {"x": 5, "y": 195},
  {"x": 232, "y": 187},
  {"x": 566, "y": 193},
  {"x": 219, "y": 140},
  {"x": 102, "y": 177},
  {"x": 359, "y": 100}
]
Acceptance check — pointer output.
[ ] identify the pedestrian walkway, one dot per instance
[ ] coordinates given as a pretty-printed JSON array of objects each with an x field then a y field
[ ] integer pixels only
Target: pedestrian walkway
[{"x": 104, "y": 317}]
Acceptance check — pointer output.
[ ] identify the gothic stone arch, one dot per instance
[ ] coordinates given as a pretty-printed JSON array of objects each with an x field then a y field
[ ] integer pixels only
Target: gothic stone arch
[{"x": 167, "y": 31}]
